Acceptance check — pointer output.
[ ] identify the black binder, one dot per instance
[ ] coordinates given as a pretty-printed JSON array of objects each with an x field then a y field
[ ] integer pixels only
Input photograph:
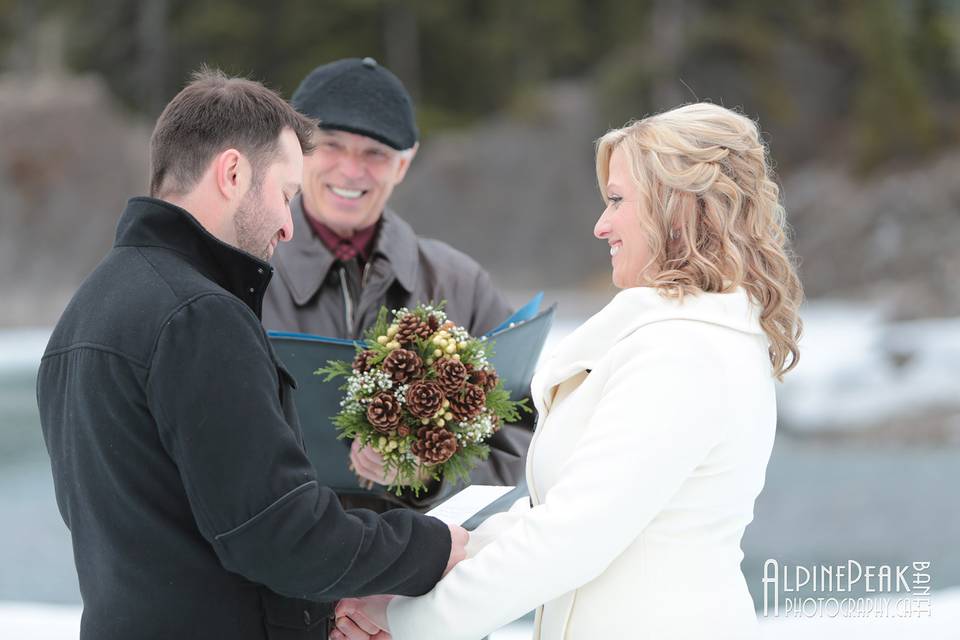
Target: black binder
[{"x": 516, "y": 347}]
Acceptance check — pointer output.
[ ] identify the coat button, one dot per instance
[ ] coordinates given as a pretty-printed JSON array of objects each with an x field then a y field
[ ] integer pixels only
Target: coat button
[
  {"x": 251, "y": 289},
  {"x": 259, "y": 269},
  {"x": 306, "y": 617}
]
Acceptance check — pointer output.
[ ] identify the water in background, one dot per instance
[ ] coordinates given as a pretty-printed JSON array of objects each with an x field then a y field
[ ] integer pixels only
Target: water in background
[
  {"x": 826, "y": 500},
  {"x": 35, "y": 550}
]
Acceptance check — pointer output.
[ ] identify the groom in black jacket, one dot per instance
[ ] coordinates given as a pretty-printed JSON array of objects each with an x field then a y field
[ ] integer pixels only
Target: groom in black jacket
[{"x": 177, "y": 457}]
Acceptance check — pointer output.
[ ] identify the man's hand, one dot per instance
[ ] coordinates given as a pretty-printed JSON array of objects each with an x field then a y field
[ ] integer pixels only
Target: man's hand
[
  {"x": 458, "y": 546},
  {"x": 366, "y": 618},
  {"x": 368, "y": 464},
  {"x": 362, "y": 619}
]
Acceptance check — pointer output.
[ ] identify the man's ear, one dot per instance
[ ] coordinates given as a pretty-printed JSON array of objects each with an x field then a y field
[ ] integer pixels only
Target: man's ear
[
  {"x": 406, "y": 158},
  {"x": 232, "y": 172}
]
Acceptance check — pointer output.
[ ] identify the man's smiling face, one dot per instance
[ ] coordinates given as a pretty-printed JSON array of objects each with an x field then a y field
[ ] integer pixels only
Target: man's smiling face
[{"x": 348, "y": 179}]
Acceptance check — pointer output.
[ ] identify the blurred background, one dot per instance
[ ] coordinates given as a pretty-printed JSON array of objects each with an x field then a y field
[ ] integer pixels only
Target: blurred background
[{"x": 859, "y": 102}]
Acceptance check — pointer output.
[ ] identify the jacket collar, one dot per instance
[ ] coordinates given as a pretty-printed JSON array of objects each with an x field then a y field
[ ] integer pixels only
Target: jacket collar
[
  {"x": 305, "y": 261},
  {"x": 149, "y": 222},
  {"x": 628, "y": 311}
]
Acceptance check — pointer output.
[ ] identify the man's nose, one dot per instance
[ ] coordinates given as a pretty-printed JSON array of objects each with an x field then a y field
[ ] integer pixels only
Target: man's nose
[
  {"x": 352, "y": 166},
  {"x": 286, "y": 231}
]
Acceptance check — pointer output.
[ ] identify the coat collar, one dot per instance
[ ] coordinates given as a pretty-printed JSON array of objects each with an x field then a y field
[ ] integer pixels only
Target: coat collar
[
  {"x": 149, "y": 222},
  {"x": 630, "y": 310},
  {"x": 305, "y": 261}
]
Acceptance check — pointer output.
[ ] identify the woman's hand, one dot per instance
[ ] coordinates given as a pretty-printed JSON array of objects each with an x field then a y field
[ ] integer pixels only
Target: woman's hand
[{"x": 362, "y": 619}]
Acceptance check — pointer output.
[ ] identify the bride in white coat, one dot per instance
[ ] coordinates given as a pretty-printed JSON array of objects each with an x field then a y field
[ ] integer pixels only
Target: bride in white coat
[{"x": 656, "y": 416}]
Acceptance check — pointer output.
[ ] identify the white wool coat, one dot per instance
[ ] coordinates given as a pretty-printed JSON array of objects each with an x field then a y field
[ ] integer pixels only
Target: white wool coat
[{"x": 656, "y": 421}]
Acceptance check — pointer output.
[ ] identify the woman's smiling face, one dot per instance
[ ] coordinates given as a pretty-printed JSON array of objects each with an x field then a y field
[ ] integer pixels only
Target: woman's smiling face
[{"x": 620, "y": 224}]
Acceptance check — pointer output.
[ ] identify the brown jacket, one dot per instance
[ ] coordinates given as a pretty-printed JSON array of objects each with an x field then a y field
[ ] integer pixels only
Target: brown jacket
[{"x": 309, "y": 294}]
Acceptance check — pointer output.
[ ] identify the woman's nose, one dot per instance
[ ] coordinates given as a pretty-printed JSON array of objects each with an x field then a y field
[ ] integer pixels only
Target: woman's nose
[{"x": 602, "y": 229}]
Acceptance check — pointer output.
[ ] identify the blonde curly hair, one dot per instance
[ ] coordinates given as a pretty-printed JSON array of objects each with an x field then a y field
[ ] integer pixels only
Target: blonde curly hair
[{"x": 715, "y": 219}]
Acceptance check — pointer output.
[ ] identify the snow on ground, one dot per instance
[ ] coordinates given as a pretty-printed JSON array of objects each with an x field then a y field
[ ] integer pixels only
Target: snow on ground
[
  {"x": 31, "y": 621},
  {"x": 857, "y": 369},
  {"x": 21, "y": 348},
  {"x": 35, "y": 621}
]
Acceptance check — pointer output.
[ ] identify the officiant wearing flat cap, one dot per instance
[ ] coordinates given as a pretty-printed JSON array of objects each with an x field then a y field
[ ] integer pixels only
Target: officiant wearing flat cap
[{"x": 351, "y": 254}]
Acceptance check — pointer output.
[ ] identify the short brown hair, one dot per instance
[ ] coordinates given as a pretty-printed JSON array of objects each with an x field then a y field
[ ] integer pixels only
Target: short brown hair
[{"x": 217, "y": 112}]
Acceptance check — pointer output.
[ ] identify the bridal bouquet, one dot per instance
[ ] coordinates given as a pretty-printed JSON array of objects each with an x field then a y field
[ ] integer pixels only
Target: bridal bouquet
[{"x": 422, "y": 393}]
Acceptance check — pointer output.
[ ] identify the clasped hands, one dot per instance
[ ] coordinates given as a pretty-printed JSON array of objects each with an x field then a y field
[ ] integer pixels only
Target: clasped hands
[{"x": 366, "y": 618}]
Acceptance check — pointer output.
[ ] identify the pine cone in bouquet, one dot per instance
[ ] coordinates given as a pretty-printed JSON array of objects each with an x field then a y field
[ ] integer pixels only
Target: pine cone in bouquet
[
  {"x": 363, "y": 361},
  {"x": 451, "y": 375},
  {"x": 411, "y": 328},
  {"x": 403, "y": 366},
  {"x": 384, "y": 412},
  {"x": 486, "y": 379},
  {"x": 469, "y": 403},
  {"x": 424, "y": 398},
  {"x": 434, "y": 445}
]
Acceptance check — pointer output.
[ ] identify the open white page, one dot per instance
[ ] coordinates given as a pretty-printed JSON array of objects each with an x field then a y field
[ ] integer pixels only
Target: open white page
[{"x": 459, "y": 508}]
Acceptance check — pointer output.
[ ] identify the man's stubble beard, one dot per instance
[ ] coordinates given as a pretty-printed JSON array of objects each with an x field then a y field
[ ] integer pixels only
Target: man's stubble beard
[{"x": 249, "y": 224}]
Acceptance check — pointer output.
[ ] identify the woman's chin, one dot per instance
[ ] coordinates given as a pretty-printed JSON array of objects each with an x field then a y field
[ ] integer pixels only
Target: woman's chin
[{"x": 623, "y": 281}]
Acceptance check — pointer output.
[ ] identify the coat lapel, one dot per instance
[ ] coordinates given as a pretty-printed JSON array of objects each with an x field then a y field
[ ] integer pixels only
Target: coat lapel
[
  {"x": 305, "y": 262},
  {"x": 628, "y": 311}
]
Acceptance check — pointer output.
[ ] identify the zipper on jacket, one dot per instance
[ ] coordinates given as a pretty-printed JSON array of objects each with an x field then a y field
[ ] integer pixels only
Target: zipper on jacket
[
  {"x": 349, "y": 311},
  {"x": 361, "y": 308},
  {"x": 363, "y": 276},
  {"x": 347, "y": 300}
]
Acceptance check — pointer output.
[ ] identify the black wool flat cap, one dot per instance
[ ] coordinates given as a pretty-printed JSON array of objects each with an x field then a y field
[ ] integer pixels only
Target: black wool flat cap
[{"x": 359, "y": 96}]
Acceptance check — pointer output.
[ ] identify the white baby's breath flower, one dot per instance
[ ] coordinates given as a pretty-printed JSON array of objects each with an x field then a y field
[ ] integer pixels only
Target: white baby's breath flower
[{"x": 478, "y": 429}]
